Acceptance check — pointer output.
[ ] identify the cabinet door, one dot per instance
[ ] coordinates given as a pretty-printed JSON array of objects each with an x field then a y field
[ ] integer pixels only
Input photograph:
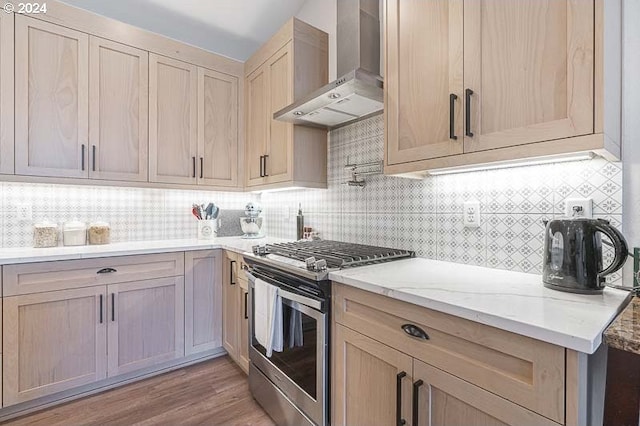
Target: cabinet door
[
  {"x": 217, "y": 128},
  {"x": 146, "y": 323},
  {"x": 257, "y": 117},
  {"x": 51, "y": 103},
  {"x": 52, "y": 342},
  {"x": 424, "y": 91},
  {"x": 367, "y": 377},
  {"x": 6, "y": 94},
  {"x": 202, "y": 300},
  {"x": 530, "y": 66},
  {"x": 173, "y": 103},
  {"x": 119, "y": 102},
  {"x": 280, "y": 154},
  {"x": 243, "y": 333},
  {"x": 230, "y": 307},
  {"x": 444, "y": 399}
]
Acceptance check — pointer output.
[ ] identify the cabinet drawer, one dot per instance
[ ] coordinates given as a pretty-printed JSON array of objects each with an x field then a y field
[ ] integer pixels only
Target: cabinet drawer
[
  {"x": 528, "y": 372},
  {"x": 47, "y": 276}
]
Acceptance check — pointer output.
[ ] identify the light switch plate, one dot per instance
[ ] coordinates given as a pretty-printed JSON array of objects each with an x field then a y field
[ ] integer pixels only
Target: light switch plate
[
  {"x": 471, "y": 212},
  {"x": 578, "y": 207}
]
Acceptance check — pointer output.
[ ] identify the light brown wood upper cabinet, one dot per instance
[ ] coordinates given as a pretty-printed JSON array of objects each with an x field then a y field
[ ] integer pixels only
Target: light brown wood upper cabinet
[
  {"x": 6, "y": 94},
  {"x": 471, "y": 82},
  {"x": 193, "y": 124},
  {"x": 118, "y": 108},
  {"x": 51, "y": 102},
  {"x": 257, "y": 121},
  {"x": 217, "y": 128},
  {"x": 293, "y": 63},
  {"x": 52, "y": 342},
  {"x": 202, "y": 300},
  {"x": 530, "y": 66},
  {"x": 424, "y": 91},
  {"x": 173, "y": 116}
]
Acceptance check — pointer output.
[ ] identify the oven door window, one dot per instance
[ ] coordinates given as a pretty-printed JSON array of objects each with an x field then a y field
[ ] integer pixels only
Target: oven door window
[{"x": 299, "y": 358}]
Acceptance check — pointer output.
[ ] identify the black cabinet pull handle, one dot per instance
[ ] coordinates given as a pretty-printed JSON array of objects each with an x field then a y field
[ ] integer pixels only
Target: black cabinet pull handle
[
  {"x": 93, "y": 159},
  {"x": 246, "y": 303},
  {"x": 261, "y": 171},
  {"x": 83, "y": 150},
  {"x": 201, "y": 167},
  {"x": 416, "y": 390},
  {"x": 101, "y": 309},
  {"x": 452, "y": 112},
  {"x": 113, "y": 306},
  {"x": 415, "y": 331},
  {"x": 231, "y": 264},
  {"x": 399, "y": 420},
  {"x": 106, "y": 271},
  {"x": 467, "y": 119},
  {"x": 193, "y": 160},
  {"x": 265, "y": 165}
]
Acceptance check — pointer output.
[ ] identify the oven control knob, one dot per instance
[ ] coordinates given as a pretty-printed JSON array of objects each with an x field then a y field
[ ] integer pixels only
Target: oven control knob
[
  {"x": 321, "y": 265},
  {"x": 311, "y": 263},
  {"x": 259, "y": 250}
]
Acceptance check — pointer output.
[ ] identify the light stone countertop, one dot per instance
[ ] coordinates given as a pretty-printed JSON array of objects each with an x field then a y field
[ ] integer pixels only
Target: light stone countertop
[
  {"x": 511, "y": 301},
  {"x": 27, "y": 254}
]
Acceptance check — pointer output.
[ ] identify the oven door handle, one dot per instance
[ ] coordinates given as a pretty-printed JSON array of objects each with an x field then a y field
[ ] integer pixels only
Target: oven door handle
[{"x": 306, "y": 301}]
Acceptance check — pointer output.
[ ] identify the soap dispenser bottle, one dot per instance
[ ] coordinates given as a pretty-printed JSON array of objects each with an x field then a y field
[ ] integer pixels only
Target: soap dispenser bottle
[{"x": 300, "y": 223}]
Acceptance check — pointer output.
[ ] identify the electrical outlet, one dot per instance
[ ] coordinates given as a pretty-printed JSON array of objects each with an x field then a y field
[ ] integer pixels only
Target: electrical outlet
[
  {"x": 24, "y": 212},
  {"x": 471, "y": 214},
  {"x": 578, "y": 207},
  {"x": 636, "y": 267}
]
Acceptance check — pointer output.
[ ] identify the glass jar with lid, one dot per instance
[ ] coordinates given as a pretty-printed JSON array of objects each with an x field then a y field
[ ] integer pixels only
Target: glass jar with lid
[{"x": 74, "y": 233}]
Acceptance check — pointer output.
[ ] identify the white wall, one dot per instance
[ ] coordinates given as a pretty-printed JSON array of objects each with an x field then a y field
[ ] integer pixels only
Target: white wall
[
  {"x": 631, "y": 126},
  {"x": 322, "y": 14}
]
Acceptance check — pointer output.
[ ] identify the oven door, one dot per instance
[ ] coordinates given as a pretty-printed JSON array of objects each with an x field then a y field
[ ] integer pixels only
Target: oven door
[{"x": 300, "y": 370}]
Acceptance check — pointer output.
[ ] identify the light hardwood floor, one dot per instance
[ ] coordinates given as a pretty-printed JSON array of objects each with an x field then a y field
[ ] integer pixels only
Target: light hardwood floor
[{"x": 210, "y": 393}]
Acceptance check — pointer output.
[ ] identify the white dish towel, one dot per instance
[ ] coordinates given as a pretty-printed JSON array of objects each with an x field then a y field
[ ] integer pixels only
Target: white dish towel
[{"x": 268, "y": 317}]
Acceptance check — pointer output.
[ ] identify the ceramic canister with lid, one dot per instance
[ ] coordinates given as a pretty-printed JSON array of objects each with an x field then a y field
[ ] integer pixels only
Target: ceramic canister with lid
[
  {"x": 74, "y": 233},
  {"x": 99, "y": 232}
]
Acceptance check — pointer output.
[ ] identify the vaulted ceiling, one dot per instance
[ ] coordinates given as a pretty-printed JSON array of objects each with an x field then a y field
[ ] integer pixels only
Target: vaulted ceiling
[{"x": 234, "y": 28}]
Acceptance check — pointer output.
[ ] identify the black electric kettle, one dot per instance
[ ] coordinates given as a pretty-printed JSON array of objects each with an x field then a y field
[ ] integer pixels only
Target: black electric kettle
[{"x": 573, "y": 254}]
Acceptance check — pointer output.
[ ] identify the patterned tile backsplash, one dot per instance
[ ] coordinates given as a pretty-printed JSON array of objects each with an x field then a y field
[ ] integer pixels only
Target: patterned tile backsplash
[
  {"x": 426, "y": 215},
  {"x": 134, "y": 213}
]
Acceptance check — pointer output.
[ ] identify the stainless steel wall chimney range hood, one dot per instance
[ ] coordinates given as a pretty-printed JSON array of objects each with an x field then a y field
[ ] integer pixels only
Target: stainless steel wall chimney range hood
[{"x": 357, "y": 94}]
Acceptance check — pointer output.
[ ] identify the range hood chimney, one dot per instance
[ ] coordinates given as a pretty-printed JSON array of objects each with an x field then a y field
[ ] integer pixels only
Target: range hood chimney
[{"x": 357, "y": 94}]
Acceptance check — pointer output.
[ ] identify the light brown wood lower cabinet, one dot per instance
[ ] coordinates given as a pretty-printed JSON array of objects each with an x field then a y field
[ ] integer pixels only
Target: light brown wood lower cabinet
[
  {"x": 462, "y": 372},
  {"x": 230, "y": 309},
  {"x": 202, "y": 300},
  {"x": 444, "y": 399},
  {"x": 146, "y": 323},
  {"x": 236, "y": 310},
  {"x": 53, "y": 342},
  {"x": 243, "y": 332},
  {"x": 365, "y": 377}
]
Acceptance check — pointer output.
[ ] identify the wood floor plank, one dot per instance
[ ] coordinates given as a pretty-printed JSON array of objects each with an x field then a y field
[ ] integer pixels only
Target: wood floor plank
[{"x": 210, "y": 393}]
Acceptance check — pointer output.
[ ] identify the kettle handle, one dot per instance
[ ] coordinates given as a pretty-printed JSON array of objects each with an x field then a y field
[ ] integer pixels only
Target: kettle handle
[{"x": 619, "y": 244}]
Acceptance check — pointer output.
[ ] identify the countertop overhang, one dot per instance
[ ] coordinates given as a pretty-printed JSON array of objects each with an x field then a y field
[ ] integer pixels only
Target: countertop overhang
[
  {"x": 10, "y": 256},
  {"x": 511, "y": 301}
]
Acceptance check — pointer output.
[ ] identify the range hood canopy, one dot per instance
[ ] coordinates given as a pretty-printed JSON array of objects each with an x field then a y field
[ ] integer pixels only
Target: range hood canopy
[{"x": 358, "y": 93}]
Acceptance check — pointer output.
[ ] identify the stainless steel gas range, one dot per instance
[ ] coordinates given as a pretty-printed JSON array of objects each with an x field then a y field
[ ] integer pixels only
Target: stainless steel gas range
[{"x": 293, "y": 385}]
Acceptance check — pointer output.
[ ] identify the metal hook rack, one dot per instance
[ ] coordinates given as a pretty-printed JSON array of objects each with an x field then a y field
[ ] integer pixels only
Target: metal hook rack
[{"x": 358, "y": 171}]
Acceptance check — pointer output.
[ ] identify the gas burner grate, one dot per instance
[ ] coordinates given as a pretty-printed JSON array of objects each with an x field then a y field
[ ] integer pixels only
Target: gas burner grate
[{"x": 338, "y": 255}]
